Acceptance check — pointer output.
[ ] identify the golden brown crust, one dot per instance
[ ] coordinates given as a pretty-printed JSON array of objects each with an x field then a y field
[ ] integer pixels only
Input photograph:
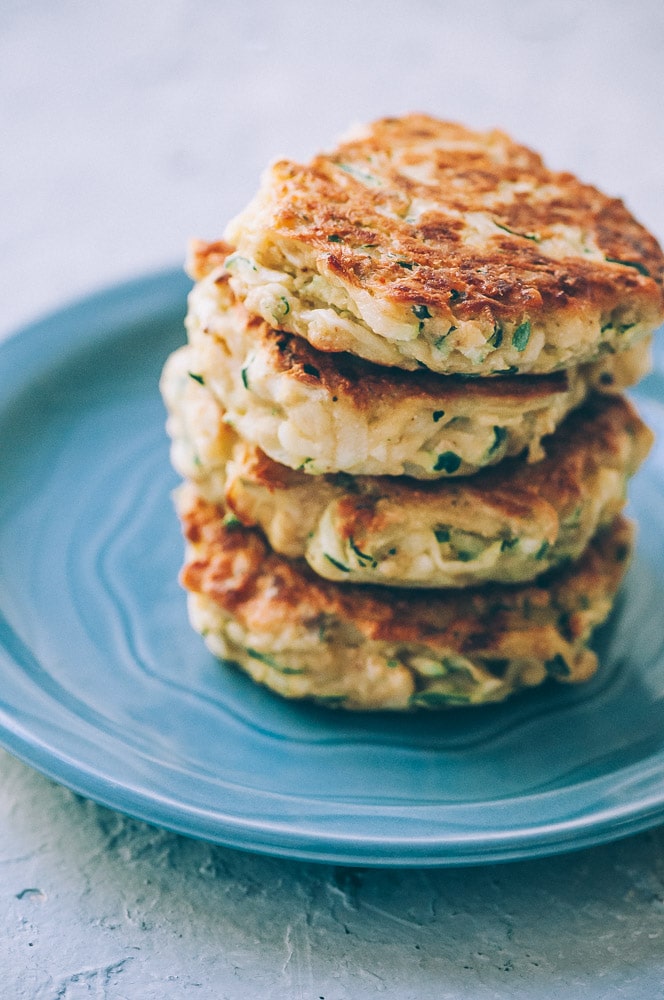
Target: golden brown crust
[
  {"x": 355, "y": 378},
  {"x": 424, "y": 244},
  {"x": 605, "y": 432},
  {"x": 362, "y": 381},
  {"x": 329, "y": 206},
  {"x": 204, "y": 257},
  {"x": 337, "y": 412},
  {"x": 395, "y": 531},
  {"x": 235, "y": 568},
  {"x": 365, "y": 383}
]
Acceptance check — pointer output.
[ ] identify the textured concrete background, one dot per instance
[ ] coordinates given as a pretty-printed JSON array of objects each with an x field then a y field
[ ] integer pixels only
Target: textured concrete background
[{"x": 126, "y": 127}]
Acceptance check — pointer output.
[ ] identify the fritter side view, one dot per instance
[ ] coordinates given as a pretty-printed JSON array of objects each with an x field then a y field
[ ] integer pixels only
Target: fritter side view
[
  {"x": 400, "y": 421},
  {"x": 420, "y": 242},
  {"x": 510, "y": 523},
  {"x": 370, "y": 648},
  {"x": 337, "y": 413}
]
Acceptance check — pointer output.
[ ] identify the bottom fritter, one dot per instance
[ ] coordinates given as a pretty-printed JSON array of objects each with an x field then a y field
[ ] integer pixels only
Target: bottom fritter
[{"x": 361, "y": 647}]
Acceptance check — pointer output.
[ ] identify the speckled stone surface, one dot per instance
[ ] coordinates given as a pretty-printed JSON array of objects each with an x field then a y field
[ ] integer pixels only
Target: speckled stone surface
[{"x": 127, "y": 128}]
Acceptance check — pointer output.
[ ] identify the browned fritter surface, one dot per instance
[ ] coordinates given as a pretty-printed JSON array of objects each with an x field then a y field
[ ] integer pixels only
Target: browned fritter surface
[
  {"x": 323, "y": 205},
  {"x": 364, "y": 382},
  {"x": 606, "y": 433},
  {"x": 357, "y": 379},
  {"x": 510, "y": 524},
  {"x": 235, "y": 568},
  {"x": 205, "y": 256}
]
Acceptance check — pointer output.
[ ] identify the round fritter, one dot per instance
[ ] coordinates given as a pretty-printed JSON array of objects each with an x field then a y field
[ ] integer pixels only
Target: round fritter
[
  {"x": 421, "y": 242},
  {"x": 372, "y": 648},
  {"x": 508, "y": 524},
  {"x": 337, "y": 413}
]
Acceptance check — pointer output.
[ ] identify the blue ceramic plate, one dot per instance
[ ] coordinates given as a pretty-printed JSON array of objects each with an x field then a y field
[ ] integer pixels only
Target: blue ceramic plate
[{"x": 106, "y": 689}]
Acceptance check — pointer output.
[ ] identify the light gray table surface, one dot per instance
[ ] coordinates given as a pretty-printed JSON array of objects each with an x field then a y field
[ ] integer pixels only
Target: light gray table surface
[{"x": 126, "y": 128}]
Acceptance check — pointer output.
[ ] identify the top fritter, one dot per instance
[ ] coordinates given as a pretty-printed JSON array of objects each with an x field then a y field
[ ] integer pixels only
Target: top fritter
[{"x": 421, "y": 243}]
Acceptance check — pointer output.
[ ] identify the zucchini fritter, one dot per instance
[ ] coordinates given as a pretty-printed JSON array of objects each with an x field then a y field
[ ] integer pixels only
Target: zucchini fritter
[
  {"x": 368, "y": 648},
  {"x": 421, "y": 242},
  {"x": 510, "y": 523},
  {"x": 337, "y": 413}
]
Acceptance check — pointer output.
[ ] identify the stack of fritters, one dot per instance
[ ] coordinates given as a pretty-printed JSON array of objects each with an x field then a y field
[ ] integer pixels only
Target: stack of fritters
[{"x": 400, "y": 421}]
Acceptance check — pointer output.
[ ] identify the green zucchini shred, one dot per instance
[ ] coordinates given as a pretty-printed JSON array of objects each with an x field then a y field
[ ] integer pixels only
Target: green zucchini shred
[
  {"x": 335, "y": 562},
  {"x": 237, "y": 258},
  {"x": 269, "y": 662},
  {"x": 496, "y": 337},
  {"x": 448, "y": 462},
  {"x": 637, "y": 265},
  {"x": 363, "y": 558},
  {"x": 231, "y": 520},
  {"x": 526, "y": 236},
  {"x": 360, "y": 175},
  {"x": 437, "y": 699},
  {"x": 521, "y": 336},
  {"x": 279, "y": 314},
  {"x": 421, "y": 312},
  {"x": 499, "y": 437}
]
